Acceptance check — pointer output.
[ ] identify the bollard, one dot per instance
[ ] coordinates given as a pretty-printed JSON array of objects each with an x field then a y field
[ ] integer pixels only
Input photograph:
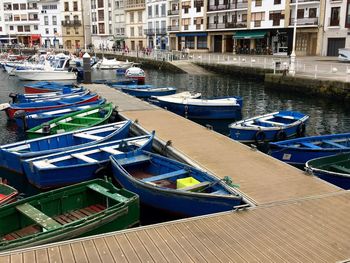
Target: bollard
[{"x": 87, "y": 68}]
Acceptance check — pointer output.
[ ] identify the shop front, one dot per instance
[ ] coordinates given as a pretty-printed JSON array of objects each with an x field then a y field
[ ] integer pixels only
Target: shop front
[{"x": 196, "y": 41}]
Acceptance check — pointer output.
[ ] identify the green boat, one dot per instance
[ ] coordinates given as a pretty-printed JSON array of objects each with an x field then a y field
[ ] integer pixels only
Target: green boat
[
  {"x": 81, "y": 119},
  {"x": 334, "y": 169},
  {"x": 83, "y": 209}
]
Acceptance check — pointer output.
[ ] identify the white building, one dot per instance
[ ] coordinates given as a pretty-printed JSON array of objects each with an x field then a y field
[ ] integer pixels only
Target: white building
[
  {"x": 119, "y": 24},
  {"x": 21, "y": 19},
  {"x": 101, "y": 24},
  {"x": 156, "y": 30},
  {"x": 135, "y": 22},
  {"x": 336, "y": 27},
  {"x": 50, "y": 23}
]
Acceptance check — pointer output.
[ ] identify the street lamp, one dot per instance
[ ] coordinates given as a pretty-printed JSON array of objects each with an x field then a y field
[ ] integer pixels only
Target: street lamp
[{"x": 293, "y": 56}]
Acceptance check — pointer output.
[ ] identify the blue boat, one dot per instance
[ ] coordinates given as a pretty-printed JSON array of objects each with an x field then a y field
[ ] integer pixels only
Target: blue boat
[
  {"x": 195, "y": 108},
  {"x": 149, "y": 92},
  {"x": 47, "y": 86},
  {"x": 300, "y": 150},
  {"x": 81, "y": 164},
  {"x": 30, "y": 120},
  {"x": 28, "y": 97},
  {"x": 334, "y": 169},
  {"x": 172, "y": 186},
  {"x": 131, "y": 86},
  {"x": 274, "y": 126},
  {"x": 12, "y": 154},
  {"x": 116, "y": 82}
]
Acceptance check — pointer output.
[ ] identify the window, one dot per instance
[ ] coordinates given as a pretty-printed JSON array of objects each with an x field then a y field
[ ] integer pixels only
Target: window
[
  {"x": 100, "y": 3},
  {"x": 20, "y": 28},
  {"x": 132, "y": 31},
  {"x": 312, "y": 12},
  {"x": 54, "y": 20},
  {"x": 140, "y": 31},
  {"x": 276, "y": 17},
  {"x": 244, "y": 17},
  {"x": 189, "y": 42},
  {"x": 11, "y": 28},
  {"x": 201, "y": 42},
  {"x": 276, "y": 2},
  {"x": 149, "y": 11},
  {"x": 347, "y": 18},
  {"x": 66, "y": 6},
  {"x": 257, "y": 18},
  {"x": 156, "y": 12},
  {"x": 15, "y": 7},
  {"x": 101, "y": 15},
  {"x": 224, "y": 19},
  {"x": 334, "y": 16},
  {"x": 140, "y": 16},
  {"x": 131, "y": 17},
  {"x": 75, "y": 6},
  {"x": 258, "y": 2},
  {"x": 24, "y": 17},
  {"x": 47, "y": 31},
  {"x": 162, "y": 10},
  {"x": 68, "y": 31},
  {"x": 26, "y": 28},
  {"x": 94, "y": 29},
  {"x": 149, "y": 26},
  {"x": 35, "y": 27},
  {"x": 16, "y": 18},
  {"x": 101, "y": 28},
  {"x": 46, "y": 20},
  {"x": 76, "y": 30},
  {"x": 23, "y": 6},
  {"x": 55, "y": 30},
  {"x": 122, "y": 31},
  {"x": 300, "y": 13},
  {"x": 76, "y": 18},
  {"x": 77, "y": 43}
]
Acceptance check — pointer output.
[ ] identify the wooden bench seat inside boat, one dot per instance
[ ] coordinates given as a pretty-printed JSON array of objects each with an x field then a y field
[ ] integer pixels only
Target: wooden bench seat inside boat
[
  {"x": 104, "y": 191},
  {"x": 337, "y": 145},
  {"x": 37, "y": 216},
  {"x": 79, "y": 214},
  {"x": 84, "y": 158},
  {"x": 310, "y": 145},
  {"x": 339, "y": 168},
  {"x": 134, "y": 160},
  {"x": 285, "y": 116},
  {"x": 110, "y": 150},
  {"x": 165, "y": 176},
  {"x": 88, "y": 118},
  {"x": 196, "y": 187},
  {"x": 87, "y": 136},
  {"x": 72, "y": 124}
]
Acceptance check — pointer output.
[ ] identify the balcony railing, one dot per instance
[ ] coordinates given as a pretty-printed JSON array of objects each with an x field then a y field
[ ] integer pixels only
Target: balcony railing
[
  {"x": 71, "y": 23},
  {"x": 155, "y": 31},
  {"x": 227, "y": 25},
  {"x": 134, "y": 4},
  {"x": 303, "y": 1},
  {"x": 229, "y": 6},
  {"x": 173, "y": 12},
  {"x": 173, "y": 28},
  {"x": 307, "y": 21}
]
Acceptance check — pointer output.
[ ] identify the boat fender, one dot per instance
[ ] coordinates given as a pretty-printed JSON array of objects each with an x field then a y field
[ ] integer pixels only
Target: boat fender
[
  {"x": 186, "y": 111},
  {"x": 301, "y": 130},
  {"x": 259, "y": 137},
  {"x": 14, "y": 97},
  {"x": 281, "y": 135},
  {"x": 46, "y": 128},
  {"x": 101, "y": 172}
]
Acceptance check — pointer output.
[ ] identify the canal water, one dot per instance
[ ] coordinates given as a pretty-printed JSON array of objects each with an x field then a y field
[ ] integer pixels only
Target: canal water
[{"x": 326, "y": 116}]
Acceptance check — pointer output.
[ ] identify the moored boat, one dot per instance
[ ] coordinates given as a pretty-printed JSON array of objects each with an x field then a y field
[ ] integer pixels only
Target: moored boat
[
  {"x": 80, "y": 210},
  {"x": 149, "y": 92},
  {"x": 334, "y": 169},
  {"x": 300, "y": 150},
  {"x": 90, "y": 117},
  {"x": 195, "y": 108},
  {"x": 7, "y": 193},
  {"x": 108, "y": 64},
  {"x": 11, "y": 155},
  {"x": 173, "y": 186},
  {"x": 274, "y": 126},
  {"x": 47, "y": 86},
  {"x": 136, "y": 73},
  {"x": 79, "y": 164}
]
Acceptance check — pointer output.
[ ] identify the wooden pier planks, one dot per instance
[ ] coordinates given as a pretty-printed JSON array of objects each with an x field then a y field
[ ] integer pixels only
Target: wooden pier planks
[{"x": 310, "y": 230}]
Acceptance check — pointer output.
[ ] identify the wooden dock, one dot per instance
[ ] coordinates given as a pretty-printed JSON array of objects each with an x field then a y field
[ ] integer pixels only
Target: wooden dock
[{"x": 296, "y": 217}]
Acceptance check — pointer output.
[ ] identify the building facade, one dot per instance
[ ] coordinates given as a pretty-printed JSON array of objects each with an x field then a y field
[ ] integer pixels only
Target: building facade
[
  {"x": 50, "y": 23},
  {"x": 135, "y": 21},
  {"x": 119, "y": 24},
  {"x": 156, "y": 29}
]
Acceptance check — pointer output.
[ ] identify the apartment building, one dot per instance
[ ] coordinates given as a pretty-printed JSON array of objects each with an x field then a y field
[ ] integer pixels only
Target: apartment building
[
  {"x": 101, "y": 24},
  {"x": 135, "y": 22},
  {"x": 156, "y": 31},
  {"x": 336, "y": 27},
  {"x": 72, "y": 24},
  {"x": 186, "y": 25},
  {"x": 50, "y": 23},
  {"x": 21, "y": 21},
  {"x": 119, "y": 24}
]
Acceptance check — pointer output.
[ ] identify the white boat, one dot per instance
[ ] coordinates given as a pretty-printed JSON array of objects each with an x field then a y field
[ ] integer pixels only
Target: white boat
[
  {"x": 344, "y": 54},
  {"x": 113, "y": 64},
  {"x": 59, "y": 70},
  {"x": 182, "y": 95},
  {"x": 136, "y": 73}
]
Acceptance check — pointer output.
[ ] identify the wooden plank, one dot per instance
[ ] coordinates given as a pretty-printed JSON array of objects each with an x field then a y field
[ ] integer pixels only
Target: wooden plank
[
  {"x": 141, "y": 252},
  {"x": 127, "y": 249},
  {"x": 41, "y": 255},
  {"x": 91, "y": 251},
  {"x": 66, "y": 253},
  {"x": 54, "y": 254},
  {"x": 18, "y": 258},
  {"x": 79, "y": 252},
  {"x": 5, "y": 259},
  {"x": 114, "y": 248},
  {"x": 102, "y": 250},
  {"x": 152, "y": 249},
  {"x": 28, "y": 257}
]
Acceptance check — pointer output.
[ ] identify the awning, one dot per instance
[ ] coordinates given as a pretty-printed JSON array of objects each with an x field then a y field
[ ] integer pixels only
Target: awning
[
  {"x": 194, "y": 34},
  {"x": 35, "y": 37},
  {"x": 250, "y": 34}
]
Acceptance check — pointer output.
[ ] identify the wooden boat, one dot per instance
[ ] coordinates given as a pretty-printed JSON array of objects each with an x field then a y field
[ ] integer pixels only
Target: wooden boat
[
  {"x": 79, "y": 210},
  {"x": 334, "y": 169},
  {"x": 193, "y": 108},
  {"x": 136, "y": 73},
  {"x": 11, "y": 155},
  {"x": 30, "y": 120},
  {"x": 47, "y": 86},
  {"x": 10, "y": 109},
  {"x": 149, "y": 92},
  {"x": 7, "y": 193},
  {"x": 80, "y": 164},
  {"x": 93, "y": 116},
  {"x": 132, "y": 86},
  {"x": 274, "y": 126},
  {"x": 172, "y": 186},
  {"x": 112, "y": 82},
  {"x": 300, "y": 150}
]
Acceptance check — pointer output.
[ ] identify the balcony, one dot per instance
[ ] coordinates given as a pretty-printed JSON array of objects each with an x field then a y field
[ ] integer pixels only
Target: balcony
[
  {"x": 303, "y": 1},
  {"x": 134, "y": 4},
  {"x": 227, "y": 25},
  {"x": 173, "y": 12},
  {"x": 173, "y": 28},
  {"x": 71, "y": 23},
  {"x": 155, "y": 31},
  {"x": 307, "y": 21},
  {"x": 229, "y": 6}
]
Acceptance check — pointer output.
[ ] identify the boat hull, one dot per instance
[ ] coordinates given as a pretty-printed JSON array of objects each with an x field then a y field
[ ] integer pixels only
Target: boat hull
[
  {"x": 44, "y": 75},
  {"x": 147, "y": 93}
]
